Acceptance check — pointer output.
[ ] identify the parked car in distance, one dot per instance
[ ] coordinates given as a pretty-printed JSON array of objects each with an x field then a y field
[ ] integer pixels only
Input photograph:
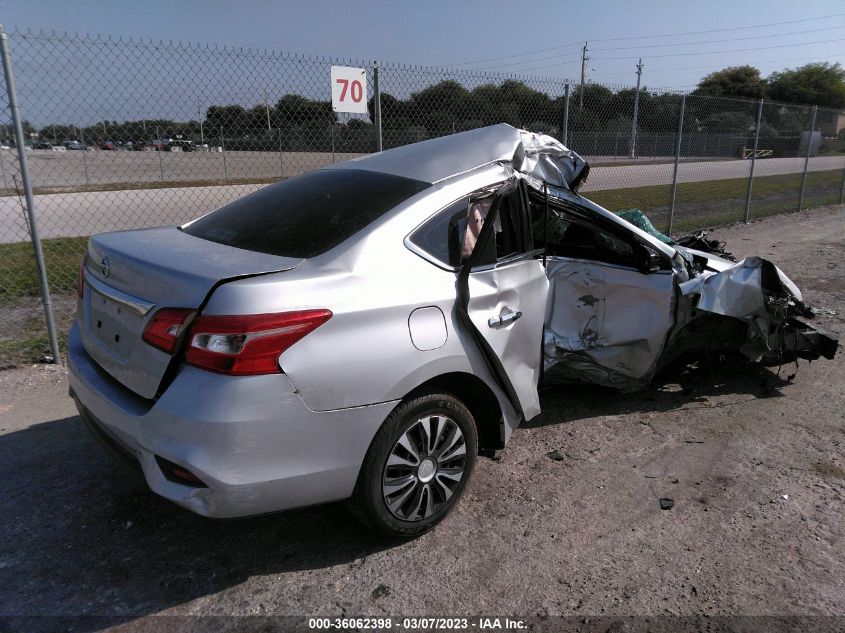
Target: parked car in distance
[
  {"x": 75, "y": 145},
  {"x": 358, "y": 332},
  {"x": 106, "y": 145},
  {"x": 179, "y": 144},
  {"x": 42, "y": 145},
  {"x": 156, "y": 145}
]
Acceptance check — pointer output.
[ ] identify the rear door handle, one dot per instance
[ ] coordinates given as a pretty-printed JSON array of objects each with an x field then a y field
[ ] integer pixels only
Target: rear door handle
[{"x": 503, "y": 319}]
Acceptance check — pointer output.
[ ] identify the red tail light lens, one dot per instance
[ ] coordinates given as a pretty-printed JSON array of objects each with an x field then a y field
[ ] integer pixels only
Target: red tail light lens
[
  {"x": 249, "y": 344},
  {"x": 166, "y": 326},
  {"x": 80, "y": 283}
]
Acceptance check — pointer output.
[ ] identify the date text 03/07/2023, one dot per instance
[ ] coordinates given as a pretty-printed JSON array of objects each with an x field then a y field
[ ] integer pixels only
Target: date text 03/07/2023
[{"x": 417, "y": 623}]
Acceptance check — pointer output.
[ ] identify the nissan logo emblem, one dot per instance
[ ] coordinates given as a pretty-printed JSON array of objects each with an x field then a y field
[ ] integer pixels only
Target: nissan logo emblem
[{"x": 105, "y": 267}]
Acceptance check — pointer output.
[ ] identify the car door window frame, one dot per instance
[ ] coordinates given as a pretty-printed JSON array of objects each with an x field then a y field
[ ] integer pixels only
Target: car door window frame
[
  {"x": 513, "y": 187},
  {"x": 526, "y": 248},
  {"x": 577, "y": 214}
]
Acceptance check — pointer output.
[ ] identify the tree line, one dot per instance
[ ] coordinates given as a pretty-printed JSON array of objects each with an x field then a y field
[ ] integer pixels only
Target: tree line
[{"x": 448, "y": 106}]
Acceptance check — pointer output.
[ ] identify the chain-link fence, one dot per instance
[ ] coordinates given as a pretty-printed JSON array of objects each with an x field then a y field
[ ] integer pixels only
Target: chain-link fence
[{"x": 124, "y": 133}]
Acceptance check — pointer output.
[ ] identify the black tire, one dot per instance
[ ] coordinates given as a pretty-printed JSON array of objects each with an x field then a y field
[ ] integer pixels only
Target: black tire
[{"x": 369, "y": 502}]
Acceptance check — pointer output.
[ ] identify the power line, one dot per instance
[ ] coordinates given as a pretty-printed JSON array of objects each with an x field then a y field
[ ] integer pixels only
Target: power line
[
  {"x": 732, "y": 39},
  {"x": 733, "y": 28},
  {"x": 733, "y": 50},
  {"x": 530, "y": 61},
  {"x": 765, "y": 61},
  {"x": 539, "y": 50},
  {"x": 641, "y": 37}
]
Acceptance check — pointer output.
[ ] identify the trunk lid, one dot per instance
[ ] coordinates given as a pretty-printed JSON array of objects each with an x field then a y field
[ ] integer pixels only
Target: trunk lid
[{"x": 131, "y": 274}]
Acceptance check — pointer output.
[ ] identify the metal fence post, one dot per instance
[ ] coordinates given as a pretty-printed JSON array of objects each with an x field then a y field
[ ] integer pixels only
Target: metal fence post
[
  {"x": 564, "y": 133},
  {"x": 807, "y": 158},
  {"x": 84, "y": 149},
  {"x": 159, "y": 148},
  {"x": 281, "y": 155},
  {"x": 3, "y": 169},
  {"x": 677, "y": 159},
  {"x": 14, "y": 109},
  {"x": 223, "y": 151},
  {"x": 753, "y": 161},
  {"x": 377, "y": 108},
  {"x": 842, "y": 189}
]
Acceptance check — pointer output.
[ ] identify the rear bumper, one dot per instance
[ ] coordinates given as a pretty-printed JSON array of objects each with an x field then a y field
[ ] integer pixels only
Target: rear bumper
[{"x": 250, "y": 439}]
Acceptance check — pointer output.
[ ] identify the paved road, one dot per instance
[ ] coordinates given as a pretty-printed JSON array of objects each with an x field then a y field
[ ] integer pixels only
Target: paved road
[{"x": 75, "y": 214}]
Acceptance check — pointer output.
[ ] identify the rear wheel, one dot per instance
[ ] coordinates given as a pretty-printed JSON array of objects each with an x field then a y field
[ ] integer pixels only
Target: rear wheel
[{"x": 417, "y": 466}]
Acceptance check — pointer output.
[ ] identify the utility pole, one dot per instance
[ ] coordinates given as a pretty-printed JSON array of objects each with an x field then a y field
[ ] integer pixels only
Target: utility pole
[
  {"x": 267, "y": 108},
  {"x": 584, "y": 60},
  {"x": 636, "y": 110}
]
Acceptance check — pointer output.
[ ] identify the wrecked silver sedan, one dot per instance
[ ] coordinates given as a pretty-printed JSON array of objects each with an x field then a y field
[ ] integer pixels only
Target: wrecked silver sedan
[{"x": 360, "y": 331}]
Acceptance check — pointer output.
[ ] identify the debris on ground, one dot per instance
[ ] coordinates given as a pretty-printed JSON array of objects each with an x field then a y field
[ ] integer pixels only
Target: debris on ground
[
  {"x": 555, "y": 456},
  {"x": 666, "y": 503}
]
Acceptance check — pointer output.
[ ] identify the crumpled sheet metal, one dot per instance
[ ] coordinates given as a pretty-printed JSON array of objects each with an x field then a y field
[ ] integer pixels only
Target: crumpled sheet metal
[
  {"x": 601, "y": 327},
  {"x": 737, "y": 291},
  {"x": 549, "y": 160},
  {"x": 435, "y": 160}
]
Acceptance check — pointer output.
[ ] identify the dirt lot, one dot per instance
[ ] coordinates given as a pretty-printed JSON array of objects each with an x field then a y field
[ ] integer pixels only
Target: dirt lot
[{"x": 754, "y": 461}]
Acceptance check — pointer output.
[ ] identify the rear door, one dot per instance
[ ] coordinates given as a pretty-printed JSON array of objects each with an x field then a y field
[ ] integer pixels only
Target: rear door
[{"x": 504, "y": 291}]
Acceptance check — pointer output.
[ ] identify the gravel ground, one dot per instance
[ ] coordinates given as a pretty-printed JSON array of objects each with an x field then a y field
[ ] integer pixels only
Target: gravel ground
[{"x": 752, "y": 459}]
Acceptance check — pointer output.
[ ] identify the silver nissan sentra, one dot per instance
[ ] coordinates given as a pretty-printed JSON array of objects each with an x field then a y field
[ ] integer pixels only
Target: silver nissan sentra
[{"x": 360, "y": 331}]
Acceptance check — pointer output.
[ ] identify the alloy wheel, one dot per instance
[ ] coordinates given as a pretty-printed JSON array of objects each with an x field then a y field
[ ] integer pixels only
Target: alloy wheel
[{"x": 424, "y": 468}]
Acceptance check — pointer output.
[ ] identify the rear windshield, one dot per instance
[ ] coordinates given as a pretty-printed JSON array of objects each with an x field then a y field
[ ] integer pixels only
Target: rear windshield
[{"x": 307, "y": 215}]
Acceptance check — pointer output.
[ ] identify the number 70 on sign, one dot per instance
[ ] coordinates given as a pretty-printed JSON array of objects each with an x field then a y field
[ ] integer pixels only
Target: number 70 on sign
[{"x": 349, "y": 89}]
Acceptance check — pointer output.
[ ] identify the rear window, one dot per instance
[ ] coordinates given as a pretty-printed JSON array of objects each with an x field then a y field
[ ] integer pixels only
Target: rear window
[{"x": 306, "y": 215}]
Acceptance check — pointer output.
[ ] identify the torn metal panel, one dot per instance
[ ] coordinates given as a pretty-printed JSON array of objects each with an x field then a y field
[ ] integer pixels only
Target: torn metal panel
[
  {"x": 549, "y": 160},
  {"x": 735, "y": 291},
  {"x": 435, "y": 160},
  {"x": 757, "y": 292},
  {"x": 608, "y": 324}
]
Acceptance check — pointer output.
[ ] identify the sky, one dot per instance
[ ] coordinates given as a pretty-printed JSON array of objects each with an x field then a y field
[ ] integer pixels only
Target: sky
[
  {"x": 69, "y": 79},
  {"x": 494, "y": 35}
]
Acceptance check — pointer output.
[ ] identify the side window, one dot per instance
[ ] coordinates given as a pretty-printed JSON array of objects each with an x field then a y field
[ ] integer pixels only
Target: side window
[
  {"x": 434, "y": 236},
  {"x": 569, "y": 235},
  {"x": 452, "y": 234},
  {"x": 509, "y": 228},
  {"x": 584, "y": 240},
  {"x": 557, "y": 223}
]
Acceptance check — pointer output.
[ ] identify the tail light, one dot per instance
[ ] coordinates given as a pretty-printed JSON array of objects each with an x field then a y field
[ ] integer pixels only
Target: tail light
[
  {"x": 165, "y": 328},
  {"x": 248, "y": 344},
  {"x": 80, "y": 283}
]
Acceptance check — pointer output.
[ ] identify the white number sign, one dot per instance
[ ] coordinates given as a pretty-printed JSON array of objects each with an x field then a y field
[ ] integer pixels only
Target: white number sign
[{"x": 349, "y": 89}]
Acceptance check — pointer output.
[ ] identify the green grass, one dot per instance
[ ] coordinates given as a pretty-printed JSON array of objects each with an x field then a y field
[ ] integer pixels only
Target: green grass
[
  {"x": 19, "y": 274},
  {"x": 714, "y": 202},
  {"x": 31, "y": 346}
]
